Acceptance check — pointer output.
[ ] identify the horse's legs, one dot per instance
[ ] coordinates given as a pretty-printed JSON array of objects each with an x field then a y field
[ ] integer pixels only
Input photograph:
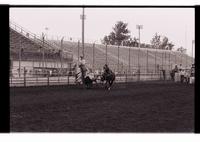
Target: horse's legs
[
  {"x": 110, "y": 83},
  {"x": 106, "y": 84}
]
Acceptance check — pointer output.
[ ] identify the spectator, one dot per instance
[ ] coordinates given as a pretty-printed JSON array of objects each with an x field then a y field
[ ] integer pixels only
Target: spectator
[
  {"x": 192, "y": 71},
  {"x": 180, "y": 67},
  {"x": 176, "y": 68},
  {"x": 83, "y": 67},
  {"x": 164, "y": 75},
  {"x": 182, "y": 75}
]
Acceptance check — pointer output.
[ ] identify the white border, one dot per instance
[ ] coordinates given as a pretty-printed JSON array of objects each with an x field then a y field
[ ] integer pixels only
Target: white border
[
  {"x": 116, "y": 137},
  {"x": 102, "y": 137},
  {"x": 102, "y": 2}
]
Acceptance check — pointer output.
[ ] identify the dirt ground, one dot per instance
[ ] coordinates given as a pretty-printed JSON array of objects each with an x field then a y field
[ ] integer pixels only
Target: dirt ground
[{"x": 133, "y": 107}]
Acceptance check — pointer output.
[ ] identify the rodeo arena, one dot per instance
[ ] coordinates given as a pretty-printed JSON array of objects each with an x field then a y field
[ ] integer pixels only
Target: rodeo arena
[{"x": 74, "y": 86}]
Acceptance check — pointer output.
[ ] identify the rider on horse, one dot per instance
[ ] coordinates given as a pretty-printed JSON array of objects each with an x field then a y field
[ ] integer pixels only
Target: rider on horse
[
  {"x": 107, "y": 70},
  {"x": 108, "y": 75}
]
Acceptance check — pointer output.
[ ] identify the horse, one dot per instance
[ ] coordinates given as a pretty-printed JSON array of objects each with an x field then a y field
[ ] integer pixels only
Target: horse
[
  {"x": 84, "y": 76},
  {"x": 109, "y": 78}
]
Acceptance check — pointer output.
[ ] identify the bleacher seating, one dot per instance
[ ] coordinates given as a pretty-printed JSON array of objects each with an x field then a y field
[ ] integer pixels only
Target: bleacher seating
[
  {"x": 164, "y": 58},
  {"x": 31, "y": 49}
]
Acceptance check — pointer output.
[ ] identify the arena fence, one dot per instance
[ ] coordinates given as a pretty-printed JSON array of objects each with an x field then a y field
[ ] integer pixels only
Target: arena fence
[{"x": 66, "y": 76}]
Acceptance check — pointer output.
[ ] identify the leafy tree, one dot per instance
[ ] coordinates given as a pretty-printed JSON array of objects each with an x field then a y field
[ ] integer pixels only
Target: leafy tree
[
  {"x": 106, "y": 40},
  {"x": 119, "y": 34},
  {"x": 111, "y": 38},
  {"x": 148, "y": 46},
  {"x": 164, "y": 43},
  {"x": 170, "y": 46},
  {"x": 131, "y": 42},
  {"x": 155, "y": 42},
  {"x": 182, "y": 50},
  {"x": 135, "y": 42}
]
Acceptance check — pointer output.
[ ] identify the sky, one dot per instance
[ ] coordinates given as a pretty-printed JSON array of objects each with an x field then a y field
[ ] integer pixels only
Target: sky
[{"x": 175, "y": 23}]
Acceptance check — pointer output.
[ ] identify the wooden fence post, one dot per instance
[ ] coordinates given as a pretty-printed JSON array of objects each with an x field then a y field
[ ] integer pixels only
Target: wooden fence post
[
  {"x": 48, "y": 79},
  {"x": 68, "y": 79},
  {"x": 126, "y": 77},
  {"x": 24, "y": 77}
]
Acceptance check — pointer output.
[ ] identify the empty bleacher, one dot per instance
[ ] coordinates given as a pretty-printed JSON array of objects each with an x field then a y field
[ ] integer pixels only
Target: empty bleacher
[
  {"x": 164, "y": 59},
  {"x": 33, "y": 48}
]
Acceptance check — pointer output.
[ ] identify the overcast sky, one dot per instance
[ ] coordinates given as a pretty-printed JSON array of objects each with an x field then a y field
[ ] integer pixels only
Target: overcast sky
[{"x": 175, "y": 23}]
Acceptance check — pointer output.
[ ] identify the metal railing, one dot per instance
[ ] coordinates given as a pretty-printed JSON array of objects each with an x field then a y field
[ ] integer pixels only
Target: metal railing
[
  {"x": 33, "y": 37},
  {"x": 43, "y": 78}
]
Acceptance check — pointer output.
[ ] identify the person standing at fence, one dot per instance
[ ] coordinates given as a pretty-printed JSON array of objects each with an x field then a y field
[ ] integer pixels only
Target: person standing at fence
[
  {"x": 174, "y": 73},
  {"x": 82, "y": 66},
  {"x": 192, "y": 74},
  {"x": 180, "y": 67},
  {"x": 182, "y": 75},
  {"x": 192, "y": 71},
  {"x": 176, "y": 68},
  {"x": 163, "y": 73}
]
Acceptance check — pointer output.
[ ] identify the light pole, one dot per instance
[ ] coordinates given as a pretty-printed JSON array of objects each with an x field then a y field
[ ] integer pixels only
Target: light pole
[
  {"x": 46, "y": 29},
  {"x": 20, "y": 57},
  {"x": 118, "y": 59},
  {"x": 106, "y": 54},
  {"x": 61, "y": 53},
  {"x": 147, "y": 62},
  {"x": 139, "y": 27},
  {"x": 78, "y": 49},
  {"x": 181, "y": 55},
  {"x": 43, "y": 51},
  {"x": 93, "y": 54},
  {"x": 162, "y": 60},
  {"x": 129, "y": 59},
  {"x": 169, "y": 59},
  {"x": 83, "y": 17},
  {"x": 193, "y": 42}
]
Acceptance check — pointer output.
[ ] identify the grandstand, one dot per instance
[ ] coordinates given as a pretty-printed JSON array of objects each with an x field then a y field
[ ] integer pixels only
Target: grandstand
[
  {"x": 157, "y": 58},
  {"x": 32, "y": 47},
  {"x": 151, "y": 60}
]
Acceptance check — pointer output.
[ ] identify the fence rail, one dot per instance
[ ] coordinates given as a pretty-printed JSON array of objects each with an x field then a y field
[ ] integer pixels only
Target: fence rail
[{"x": 47, "y": 80}]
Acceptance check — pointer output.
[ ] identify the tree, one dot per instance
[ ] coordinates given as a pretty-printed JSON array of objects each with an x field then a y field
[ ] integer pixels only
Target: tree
[
  {"x": 119, "y": 34},
  {"x": 182, "y": 50},
  {"x": 170, "y": 46},
  {"x": 111, "y": 38},
  {"x": 106, "y": 40},
  {"x": 164, "y": 44},
  {"x": 155, "y": 42},
  {"x": 135, "y": 42}
]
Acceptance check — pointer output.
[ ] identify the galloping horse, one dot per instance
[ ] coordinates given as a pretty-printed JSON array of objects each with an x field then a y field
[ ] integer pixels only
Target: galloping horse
[{"x": 109, "y": 78}]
